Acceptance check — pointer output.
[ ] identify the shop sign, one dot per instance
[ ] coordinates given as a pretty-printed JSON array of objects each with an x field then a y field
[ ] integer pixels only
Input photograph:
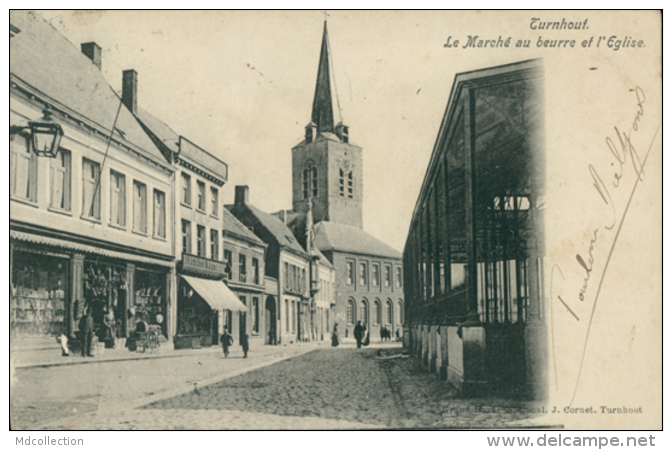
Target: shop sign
[{"x": 202, "y": 266}]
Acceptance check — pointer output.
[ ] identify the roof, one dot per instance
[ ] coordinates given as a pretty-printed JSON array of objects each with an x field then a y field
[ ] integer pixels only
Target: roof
[
  {"x": 323, "y": 259},
  {"x": 182, "y": 146},
  {"x": 44, "y": 59},
  {"x": 323, "y": 112},
  {"x": 331, "y": 236},
  {"x": 281, "y": 232},
  {"x": 160, "y": 129},
  {"x": 233, "y": 226}
]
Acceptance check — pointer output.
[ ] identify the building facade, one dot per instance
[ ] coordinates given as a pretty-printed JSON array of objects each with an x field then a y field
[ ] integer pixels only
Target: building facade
[
  {"x": 286, "y": 263},
  {"x": 205, "y": 304},
  {"x": 244, "y": 255},
  {"x": 90, "y": 227},
  {"x": 474, "y": 252}
]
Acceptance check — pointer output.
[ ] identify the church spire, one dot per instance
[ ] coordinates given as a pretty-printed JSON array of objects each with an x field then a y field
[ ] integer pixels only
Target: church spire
[{"x": 323, "y": 112}]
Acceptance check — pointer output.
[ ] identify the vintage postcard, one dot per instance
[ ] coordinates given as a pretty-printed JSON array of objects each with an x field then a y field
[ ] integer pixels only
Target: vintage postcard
[{"x": 335, "y": 220}]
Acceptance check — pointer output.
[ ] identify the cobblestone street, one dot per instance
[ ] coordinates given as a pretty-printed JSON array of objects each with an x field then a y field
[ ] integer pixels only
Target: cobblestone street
[{"x": 327, "y": 388}]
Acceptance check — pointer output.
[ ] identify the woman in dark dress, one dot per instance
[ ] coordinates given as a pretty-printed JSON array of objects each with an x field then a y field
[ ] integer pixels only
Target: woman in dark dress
[{"x": 334, "y": 336}]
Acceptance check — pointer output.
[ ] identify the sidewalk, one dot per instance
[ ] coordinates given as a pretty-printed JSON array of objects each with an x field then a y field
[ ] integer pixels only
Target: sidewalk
[{"x": 47, "y": 352}]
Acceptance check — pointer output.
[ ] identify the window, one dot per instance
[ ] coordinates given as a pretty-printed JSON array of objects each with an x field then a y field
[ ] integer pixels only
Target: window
[
  {"x": 228, "y": 258},
  {"x": 350, "y": 272},
  {"x": 201, "y": 195},
  {"x": 302, "y": 281},
  {"x": 90, "y": 189},
  {"x": 389, "y": 312},
  {"x": 375, "y": 275},
  {"x": 345, "y": 178},
  {"x": 242, "y": 268},
  {"x": 186, "y": 189},
  {"x": 400, "y": 315},
  {"x": 159, "y": 214},
  {"x": 388, "y": 276},
  {"x": 60, "y": 180},
  {"x": 376, "y": 312},
  {"x": 364, "y": 312},
  {"x": 293, "y": 316},
  {"x": 139, "y": 207},
  {"x": 310, "y": 180},
  {"x": 214, "y": 201},
  {"x": 214, "y": 244},
  {"x": 186, "y": 236},
  {"x": 362, "y": 274},
  {"x": 255, "y": 314},
  {"x": 341, "y": 183},
  {"x": 200, "y": 240},
  {"x": 286, "y": 315},
  {"x": 350, "y": 312},
  {"x": 255, "y": 270},
  {"x": 286, "y": 276},
  {"x": 398, "y": 280},
  {"x": 23, "y": 169},
  {"x": 117, "y": 199}
]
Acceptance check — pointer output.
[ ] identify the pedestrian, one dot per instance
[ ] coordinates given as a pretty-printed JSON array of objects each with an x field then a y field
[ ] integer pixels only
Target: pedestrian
[
  {"x": 334, "y": 336},
  {"x": 245, "y": 343},
  {"x": 226, "y": 339},
  {"x": 109, "y": 329},
  {"x": 86, "y": 332},
  {"x": 63, "y": 340},
  {"x": 359, "y": 333},
  {"x": 397, "y": 335},
  {"x": 382, "y": 334}
]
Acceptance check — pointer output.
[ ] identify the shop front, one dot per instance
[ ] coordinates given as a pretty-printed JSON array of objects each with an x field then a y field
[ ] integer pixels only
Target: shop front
[
  {"x": 204, "y": 303},
  {"x": 55, "y": 281}
]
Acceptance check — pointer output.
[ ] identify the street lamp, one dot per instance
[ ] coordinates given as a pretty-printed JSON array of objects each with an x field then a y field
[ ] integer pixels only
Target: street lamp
[{"x": 45, "y": 134}]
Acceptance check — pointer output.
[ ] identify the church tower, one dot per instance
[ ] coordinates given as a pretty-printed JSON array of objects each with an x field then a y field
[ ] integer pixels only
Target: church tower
[{"x": 326, "y": 167}]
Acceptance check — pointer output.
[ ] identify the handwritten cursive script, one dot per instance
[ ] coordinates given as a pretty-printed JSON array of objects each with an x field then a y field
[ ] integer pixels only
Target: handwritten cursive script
[{"x": 623, "y": 154}]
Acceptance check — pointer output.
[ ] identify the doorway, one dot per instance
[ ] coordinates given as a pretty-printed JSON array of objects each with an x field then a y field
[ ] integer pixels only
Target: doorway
[{"x": 270, "y": 322}]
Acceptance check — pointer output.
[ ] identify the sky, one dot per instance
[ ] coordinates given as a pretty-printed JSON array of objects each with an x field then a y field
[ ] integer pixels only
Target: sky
[{"x": 241, "y": 84}]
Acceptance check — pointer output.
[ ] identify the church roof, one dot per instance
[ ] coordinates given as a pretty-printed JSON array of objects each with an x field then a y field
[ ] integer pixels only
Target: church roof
[
  {"x": 331, "y": 236},
  {"x": 231, "y": 225},
  {"x": 43, "y": 58},
  {"x": 323, "y": 112}
]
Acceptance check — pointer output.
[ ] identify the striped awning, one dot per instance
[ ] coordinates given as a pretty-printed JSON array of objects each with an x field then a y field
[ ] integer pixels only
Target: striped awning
[
  {"x": 84, "y": 248},
  {"x": 216, "y": 293}
]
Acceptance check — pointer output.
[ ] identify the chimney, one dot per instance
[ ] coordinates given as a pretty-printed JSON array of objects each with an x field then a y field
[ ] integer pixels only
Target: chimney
[
  {"x": 129, "y": 90},
  {"x": 94, "y": 53},
  {"x": 242, "y": 195}
]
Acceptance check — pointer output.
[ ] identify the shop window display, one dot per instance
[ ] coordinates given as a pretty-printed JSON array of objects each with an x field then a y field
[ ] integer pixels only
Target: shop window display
[{"x": 38, "y": 295}]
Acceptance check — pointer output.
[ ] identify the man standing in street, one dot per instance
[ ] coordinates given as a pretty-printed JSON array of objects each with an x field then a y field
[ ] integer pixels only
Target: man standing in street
[
  {"x": 245, "y": 343},
  {"x": 86, "y": 330},
  {"x": 226, "y": 341},
  {"x": 359, "y": 333}
]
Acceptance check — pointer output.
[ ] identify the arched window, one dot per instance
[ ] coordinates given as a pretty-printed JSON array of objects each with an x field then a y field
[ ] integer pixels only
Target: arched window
[
  {"x": 400, "y": 316},
  {"x": 345, "y": 180},
  {"x": 350, "y": 313},
  {"x": 389, "y": 313},
  {"x": 364, "y": 312},
  {"x": 376, "y": 312},
  {"x": 309, "y": 180}
]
